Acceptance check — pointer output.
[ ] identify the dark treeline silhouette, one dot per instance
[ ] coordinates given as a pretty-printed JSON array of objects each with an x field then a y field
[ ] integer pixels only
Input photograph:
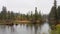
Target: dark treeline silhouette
[
  {"x": 54, "y": 19},
  {"x": 54, "y": 16},
  {"x": 11, "y": 17}
]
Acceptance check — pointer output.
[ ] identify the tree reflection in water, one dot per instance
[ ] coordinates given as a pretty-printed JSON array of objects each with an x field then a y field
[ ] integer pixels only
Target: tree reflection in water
[{"x": 25, "y": 29}]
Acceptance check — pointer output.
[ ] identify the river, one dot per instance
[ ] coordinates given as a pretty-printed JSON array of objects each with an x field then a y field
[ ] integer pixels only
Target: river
[{"x": 25, "y": 29}]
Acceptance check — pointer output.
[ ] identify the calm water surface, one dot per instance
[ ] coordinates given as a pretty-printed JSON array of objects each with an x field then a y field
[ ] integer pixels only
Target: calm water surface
[{"x": 25, "y": 29}]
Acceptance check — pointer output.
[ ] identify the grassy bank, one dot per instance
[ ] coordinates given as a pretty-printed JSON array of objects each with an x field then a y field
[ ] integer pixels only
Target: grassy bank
[{"x": 56, "y": 30}]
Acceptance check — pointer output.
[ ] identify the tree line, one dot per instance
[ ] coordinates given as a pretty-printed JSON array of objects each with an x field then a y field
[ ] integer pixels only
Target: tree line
[
  {"x": 10, "y": 15},
  {"x": 54, "y": 15}
]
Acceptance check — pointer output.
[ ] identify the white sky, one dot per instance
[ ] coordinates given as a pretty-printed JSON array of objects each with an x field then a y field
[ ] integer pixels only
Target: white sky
[{"x": 24, "y": 6}]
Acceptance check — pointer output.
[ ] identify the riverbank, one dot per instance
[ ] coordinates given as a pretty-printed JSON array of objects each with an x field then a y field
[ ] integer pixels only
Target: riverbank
[
  {"x": 3, "y": 22},
  {"x": 56, "y": 29}
]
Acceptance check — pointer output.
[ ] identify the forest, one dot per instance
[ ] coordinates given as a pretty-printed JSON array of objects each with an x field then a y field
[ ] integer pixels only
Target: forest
[{"x": 9, "y": 17}]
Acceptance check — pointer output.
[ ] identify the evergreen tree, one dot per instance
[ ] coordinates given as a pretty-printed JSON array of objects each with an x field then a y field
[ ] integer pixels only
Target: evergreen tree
[
  {"x": 9, "y": 15},
  {"x": 4, "y": 13},
  {"x": 36, "y": 13},
  {"x": 12, "y": 15},
  {"x": 58, "y": 11}
]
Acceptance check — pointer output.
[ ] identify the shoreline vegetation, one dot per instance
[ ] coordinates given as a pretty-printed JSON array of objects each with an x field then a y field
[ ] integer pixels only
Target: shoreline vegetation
[
  {"x": 54, "y": 19},
  {"x": 9, "y": 17},
  {"x": 54, "y": 15}
]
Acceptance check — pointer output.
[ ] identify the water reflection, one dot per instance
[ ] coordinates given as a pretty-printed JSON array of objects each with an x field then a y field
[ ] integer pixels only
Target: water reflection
[
  {"x": 25, "y": 29},
  {"x": 45, "y": 28}
]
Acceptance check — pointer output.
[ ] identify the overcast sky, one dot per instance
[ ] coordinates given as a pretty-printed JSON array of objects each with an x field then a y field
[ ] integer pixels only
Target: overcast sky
[{"x": 24, "y": 6}]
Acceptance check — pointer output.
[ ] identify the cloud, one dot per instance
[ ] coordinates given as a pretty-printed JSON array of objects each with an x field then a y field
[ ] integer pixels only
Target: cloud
[{"x": 28, "y": 5}]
